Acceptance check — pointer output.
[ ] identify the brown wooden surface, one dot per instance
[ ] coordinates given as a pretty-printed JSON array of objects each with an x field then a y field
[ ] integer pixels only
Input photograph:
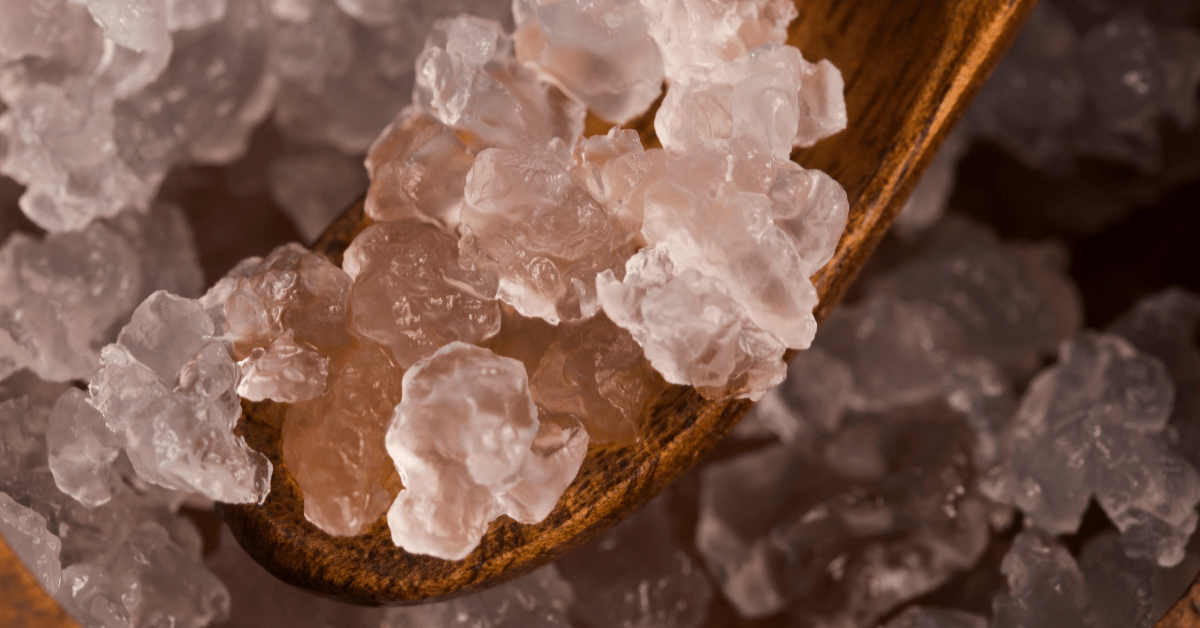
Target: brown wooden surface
[
  {"x": 1186, "y": 612},
  {"x": 911, "y": 67},
  {"x": 23, "y": 602}
]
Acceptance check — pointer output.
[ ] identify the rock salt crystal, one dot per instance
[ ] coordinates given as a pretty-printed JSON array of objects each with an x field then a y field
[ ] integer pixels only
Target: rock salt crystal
[
  {"x": 546, "y": 238},
  {"x": 167, "y": 388},
  {"x": 411, "y": 293},
  {"x": 840, "y": 529},
  {"x": 1092, "y": 426},
  {"x": 599, "y": 52},
  {"x": 594, "y": 371},
  {"x": 694, "y": 35},
  {"x": 25, "y": 532},
  {"x": 334, "y": 444},
  {"x": 1045, "y": 587},
  {"x": 1128, "y": 592},
  {"x": 290, "y": 311},
  {"x": 468, "y": 79},
  {"x": 636, "y": 574},
  {"x": 461, "y": 438},
  {"x": 541, "y": 599},
  {"x": 772, "y": 94},
  {"x": 81, "y": 449}
]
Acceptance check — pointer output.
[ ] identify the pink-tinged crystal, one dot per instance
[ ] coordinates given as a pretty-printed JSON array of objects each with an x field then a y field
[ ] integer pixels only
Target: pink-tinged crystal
[
  {"x": 334, "y": 444},
  {"x": 411, "y": 294}
]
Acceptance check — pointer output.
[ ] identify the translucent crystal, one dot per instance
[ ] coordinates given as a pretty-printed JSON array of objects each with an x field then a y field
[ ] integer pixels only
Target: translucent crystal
[
  {"x": 717, "y": 218},
  {"x": 292, "y": 290},
  {"x": 539, "y": 600},
  {"x": 1092, "y": 426},
  {"x": 1011, "y": 302},
  {"x": 544, "y": 236},
  {"x": 25, "y": 532},
  {"x": 411, "y": 294},
  {"x": 636, "y": 574},
  {"x": 418, "y": 169},
  {"x": 772, "y": 94},
  {"x": 169, "y": 388},
  {"x": 166, "y": 247},
  {"x": 468, "y": 79},
  {"x": 61, "y": 297},
  {"x": 284, "y": 371},
  {"x": 840, "y": 529},
  {"x": 1045, "y": 587},
  {"x": 699, "y": 34},
  {"x": 81, "y": 449},
  {"x": 596, "y": 372},
  {"x": 334, "y": 444},
  {"x": 922, "y": 617},
  {"x": 461, "y": 439},
  {"x": 690, "y": 329},
  {"x": 314, "y": 186},
  {"x": 616, "y": 171},
  {"x": 600, "y": 53}
]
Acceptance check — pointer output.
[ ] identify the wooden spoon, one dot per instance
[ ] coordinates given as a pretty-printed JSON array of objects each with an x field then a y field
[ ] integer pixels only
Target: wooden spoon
[{"x": 911, "y": 68}]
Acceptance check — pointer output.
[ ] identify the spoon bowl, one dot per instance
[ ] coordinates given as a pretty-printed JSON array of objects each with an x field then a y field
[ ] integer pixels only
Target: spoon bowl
[{"x": 911, "y": 67}]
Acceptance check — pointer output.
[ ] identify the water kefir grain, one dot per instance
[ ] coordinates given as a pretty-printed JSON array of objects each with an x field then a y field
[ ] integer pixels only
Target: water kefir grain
[{"x": 526, "y": 281}]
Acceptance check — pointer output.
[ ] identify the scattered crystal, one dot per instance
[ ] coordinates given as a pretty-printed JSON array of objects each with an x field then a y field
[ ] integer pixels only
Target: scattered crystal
[
  {"x": 840, "y": 529},
  {"x": 1130, "y": 593},
  {"x": 636, "y": 574},
  {"x": 81, "y": 449},
  {"x": 616, "y": 171},
  {"x": 412, "y": 294},
  {"x": 1045, "y": 587},
  {"x": 1092, "y": 426},
  {"x": 334, "y": 444},
  {"x": 600, "y": 53},
  {"x": 461, "y": 439},
  {"x": 814, "y": 396},
  {"x": 25, "y": 532},
  {"x": 538, "y": 600}
]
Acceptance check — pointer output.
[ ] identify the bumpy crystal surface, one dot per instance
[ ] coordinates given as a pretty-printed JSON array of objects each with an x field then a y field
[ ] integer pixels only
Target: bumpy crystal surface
[
  {"x": 461, "y": 438},
  {"x": 25, "y": 532}
]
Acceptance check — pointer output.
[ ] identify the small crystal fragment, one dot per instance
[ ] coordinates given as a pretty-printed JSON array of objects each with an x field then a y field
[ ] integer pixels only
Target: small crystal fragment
[
  {"x": 541, "y": 599},
  {"x": 81, "y": 449},
  {"x": 1045, "y": 587}
]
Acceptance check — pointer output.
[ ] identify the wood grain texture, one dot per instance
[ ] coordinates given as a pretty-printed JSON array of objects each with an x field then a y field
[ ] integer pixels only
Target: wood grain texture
[
  {"x": 911, "y": 67},
  {"x": 23, "y": 602}
]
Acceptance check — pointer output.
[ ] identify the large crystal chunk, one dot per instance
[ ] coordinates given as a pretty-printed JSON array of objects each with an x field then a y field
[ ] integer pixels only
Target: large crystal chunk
[
  {"x": 690, "y": 329},
  {"x": 700, "y": 34},
  {"x": 461, "y": 439},
  {"x": 1092, "y": 426},
  {"x": 1045, "y": 587},
  {"x": 544, "y": 236},
  {"x": 168, "y": 387},
  {"x": 81, "y": 449},
  {"x": 294, "y": 299},
  {"x": 334, "y": 444},
  {"x": 468, "y": 79},
  {"x": 772, "y": 94},
  {"x": 600, "y": 52},
  {"x": 841, "y": 528},
  {"x": 596, "y": 372},
  {"x": 411, "y": 294}
]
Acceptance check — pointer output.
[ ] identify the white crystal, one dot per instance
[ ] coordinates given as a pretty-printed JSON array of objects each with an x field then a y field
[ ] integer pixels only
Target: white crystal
[
  {"x": 81, "y": 449},
  {"x": 26, "y": 533},
  {"x": 461, "y": 438},
  {"x": 1092, "y": 426},
  {"x": 1045, "y": 587},
  {"x": 700, "y": 34},
  {"x": 600, "y": 52},
  {"x": 772, "y": 95}
]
